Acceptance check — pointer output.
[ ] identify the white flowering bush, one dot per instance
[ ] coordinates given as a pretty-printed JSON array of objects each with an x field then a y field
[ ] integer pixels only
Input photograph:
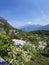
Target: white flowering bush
[{"x": 18, "y": 55}]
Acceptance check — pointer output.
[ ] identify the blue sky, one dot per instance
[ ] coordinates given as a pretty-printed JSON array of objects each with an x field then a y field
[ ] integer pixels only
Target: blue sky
[{"x": 22, "y": 12}]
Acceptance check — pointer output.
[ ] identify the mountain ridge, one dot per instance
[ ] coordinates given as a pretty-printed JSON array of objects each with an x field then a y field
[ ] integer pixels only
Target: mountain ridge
[
  {"x": 28, "y": 28},
  {"x": 4, "y": 25}
]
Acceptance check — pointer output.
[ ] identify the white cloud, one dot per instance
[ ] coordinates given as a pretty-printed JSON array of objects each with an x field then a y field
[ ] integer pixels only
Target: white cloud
[{"x": 30, "y": 22}]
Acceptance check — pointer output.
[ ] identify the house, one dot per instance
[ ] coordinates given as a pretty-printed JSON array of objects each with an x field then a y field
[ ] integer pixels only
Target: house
[
  {"x": 18, "y": 42},
  {"x": 3, "y": 62},
  {"x": 24, "y": 39},
  {"x": 36, "y": 34},
  {"x": 12, "y": 31}
]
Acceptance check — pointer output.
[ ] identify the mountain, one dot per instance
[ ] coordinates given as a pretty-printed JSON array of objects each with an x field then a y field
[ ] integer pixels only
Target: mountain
[
  {"x": 7, "y": 28},
  {"x": 4, "y": 25},
  {"x": 46, "y": 27},
  {"x": 28, "y": 28}
]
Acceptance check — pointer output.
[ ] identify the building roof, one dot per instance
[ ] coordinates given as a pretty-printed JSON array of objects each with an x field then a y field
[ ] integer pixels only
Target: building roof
[
  {"x": 19, "y": 42},
  {"x": 3, "y": 62}
]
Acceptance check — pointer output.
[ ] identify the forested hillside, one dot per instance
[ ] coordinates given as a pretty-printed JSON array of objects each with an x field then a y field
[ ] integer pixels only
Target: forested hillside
[{"x": 34, "y": 52}]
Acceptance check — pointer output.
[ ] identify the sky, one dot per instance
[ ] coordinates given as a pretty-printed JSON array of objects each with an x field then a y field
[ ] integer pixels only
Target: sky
[{"x": 21, "y": 12}]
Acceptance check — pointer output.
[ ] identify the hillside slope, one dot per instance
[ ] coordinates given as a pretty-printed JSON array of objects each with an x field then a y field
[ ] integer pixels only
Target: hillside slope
[{"x": 4, "y": 25}]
